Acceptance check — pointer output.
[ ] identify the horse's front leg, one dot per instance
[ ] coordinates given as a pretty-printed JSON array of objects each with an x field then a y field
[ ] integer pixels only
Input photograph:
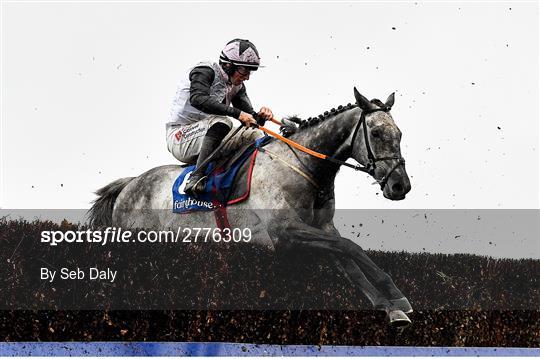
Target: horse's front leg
[
  {"x": 324, "y": 219},
  {"x": 349, "y": 268},
  {"x": 323, "y": 215},
  {"x": 293, "y": 233}
]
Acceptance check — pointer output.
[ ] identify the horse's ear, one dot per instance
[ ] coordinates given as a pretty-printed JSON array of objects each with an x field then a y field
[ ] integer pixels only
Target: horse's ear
[
  {"x": 390, "y": 100},
  {"x": 362, "y": 101}
]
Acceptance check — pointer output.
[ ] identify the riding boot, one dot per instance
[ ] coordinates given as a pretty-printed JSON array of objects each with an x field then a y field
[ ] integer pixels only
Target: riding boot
[{"x": 197, "y": 181}]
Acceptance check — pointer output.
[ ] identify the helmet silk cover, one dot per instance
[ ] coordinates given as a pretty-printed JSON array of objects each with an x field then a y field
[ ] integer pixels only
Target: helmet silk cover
[{"x": 241, "y": 53}]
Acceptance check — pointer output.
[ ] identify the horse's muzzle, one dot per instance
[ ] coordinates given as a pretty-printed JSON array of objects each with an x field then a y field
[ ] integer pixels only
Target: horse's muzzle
[{"x": 398, "y": 185}]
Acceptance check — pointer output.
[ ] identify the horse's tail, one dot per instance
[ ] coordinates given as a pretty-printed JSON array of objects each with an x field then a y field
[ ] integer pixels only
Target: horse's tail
[{"x": 100, "y": 214}]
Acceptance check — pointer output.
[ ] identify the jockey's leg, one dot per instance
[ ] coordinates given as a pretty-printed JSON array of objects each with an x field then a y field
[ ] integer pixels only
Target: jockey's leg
[
  {"x": 212, "y": 139},
  {"x": 185, "y": 141},
  {"x": 245, "y": 136}
]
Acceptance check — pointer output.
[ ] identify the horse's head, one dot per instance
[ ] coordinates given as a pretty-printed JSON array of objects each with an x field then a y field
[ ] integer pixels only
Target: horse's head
[{"x": 376, "y": 144}]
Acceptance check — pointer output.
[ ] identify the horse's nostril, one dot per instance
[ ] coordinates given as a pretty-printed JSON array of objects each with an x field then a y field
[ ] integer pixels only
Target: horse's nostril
[{"x": 397, "y": 187}]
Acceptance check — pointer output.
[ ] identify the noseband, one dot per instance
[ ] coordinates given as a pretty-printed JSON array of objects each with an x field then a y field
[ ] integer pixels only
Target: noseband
[{"x": 372, "y": 160}]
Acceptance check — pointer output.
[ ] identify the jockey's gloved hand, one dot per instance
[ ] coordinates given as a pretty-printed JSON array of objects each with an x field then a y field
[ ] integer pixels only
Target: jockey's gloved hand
[
  {"x": 264, "y": 114},
  {"x": 247, "y": 119},
  {"x": 260, "y": 120},
  {"x": 289, "y": 128}
]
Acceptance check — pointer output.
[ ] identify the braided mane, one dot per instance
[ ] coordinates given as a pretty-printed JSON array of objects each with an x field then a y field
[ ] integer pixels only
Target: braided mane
[{"x": 312, "y": 121}]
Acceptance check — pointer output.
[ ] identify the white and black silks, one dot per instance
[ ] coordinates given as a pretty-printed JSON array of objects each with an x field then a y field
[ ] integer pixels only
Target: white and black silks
[{"x": 206, "y": 90}]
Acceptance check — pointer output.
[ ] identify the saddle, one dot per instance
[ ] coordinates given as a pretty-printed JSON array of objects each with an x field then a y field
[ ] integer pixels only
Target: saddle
[{"x": 229, "y": 181}]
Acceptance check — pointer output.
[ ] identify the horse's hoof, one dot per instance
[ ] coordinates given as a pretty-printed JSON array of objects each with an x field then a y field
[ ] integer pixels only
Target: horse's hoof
[
  {"x": 398, "y": 319},
  {"x": 401, "y": 304}
]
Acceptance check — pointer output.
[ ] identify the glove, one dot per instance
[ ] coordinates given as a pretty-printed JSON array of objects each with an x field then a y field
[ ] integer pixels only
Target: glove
[{"x": 260, "y": 121}]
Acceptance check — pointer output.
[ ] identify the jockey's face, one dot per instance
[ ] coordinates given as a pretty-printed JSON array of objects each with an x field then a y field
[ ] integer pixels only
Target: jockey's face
[{"x": 240, "y": 75}]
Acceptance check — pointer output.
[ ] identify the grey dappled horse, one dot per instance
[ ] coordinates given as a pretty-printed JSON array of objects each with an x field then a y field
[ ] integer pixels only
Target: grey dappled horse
[{"x": 290, "y": 209}]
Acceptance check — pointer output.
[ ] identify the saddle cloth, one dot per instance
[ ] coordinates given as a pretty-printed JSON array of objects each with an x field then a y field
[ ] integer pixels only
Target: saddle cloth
[{"x": 229, "y": 181}]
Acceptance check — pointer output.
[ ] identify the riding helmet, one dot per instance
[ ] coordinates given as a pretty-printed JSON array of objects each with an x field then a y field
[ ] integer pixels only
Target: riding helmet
[{"x": 239, "y": 52}]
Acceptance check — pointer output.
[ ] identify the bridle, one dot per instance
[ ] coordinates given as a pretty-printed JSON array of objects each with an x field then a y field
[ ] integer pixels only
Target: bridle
[
  {"x": 369, "y": 168},
  {"x": 372, "y": 160}
]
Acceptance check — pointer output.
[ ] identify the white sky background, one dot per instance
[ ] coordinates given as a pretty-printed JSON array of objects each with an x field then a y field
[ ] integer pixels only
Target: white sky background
[{"x": 86, "y": 89}]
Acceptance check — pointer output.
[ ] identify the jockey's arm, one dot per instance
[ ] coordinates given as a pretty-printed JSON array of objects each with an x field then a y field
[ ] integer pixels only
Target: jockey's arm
[
  {"x": 201, "y": 78},
  {"x": 241, "y": 101}
]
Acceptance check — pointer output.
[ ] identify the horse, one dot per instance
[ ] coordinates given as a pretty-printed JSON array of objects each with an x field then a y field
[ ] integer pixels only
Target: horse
[{"x": 291, "y": 204}]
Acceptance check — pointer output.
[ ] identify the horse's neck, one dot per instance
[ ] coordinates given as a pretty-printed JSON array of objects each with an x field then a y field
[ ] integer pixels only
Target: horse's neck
[{"x": 328, "y": 137}]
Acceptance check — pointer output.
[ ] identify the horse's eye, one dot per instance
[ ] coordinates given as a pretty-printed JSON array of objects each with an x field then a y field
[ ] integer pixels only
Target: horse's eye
[{"x": 376, "y": 133}]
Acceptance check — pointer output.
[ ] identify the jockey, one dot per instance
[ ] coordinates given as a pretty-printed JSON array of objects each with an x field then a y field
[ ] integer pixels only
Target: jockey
[{"x": 205, "y": 101}]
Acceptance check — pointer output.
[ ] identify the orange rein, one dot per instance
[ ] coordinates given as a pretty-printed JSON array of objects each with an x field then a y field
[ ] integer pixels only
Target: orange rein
[
  {"x": 307, "y": 150},
  {"x": 277, "y": 122},
  {"x": 290, "y": 142}
]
